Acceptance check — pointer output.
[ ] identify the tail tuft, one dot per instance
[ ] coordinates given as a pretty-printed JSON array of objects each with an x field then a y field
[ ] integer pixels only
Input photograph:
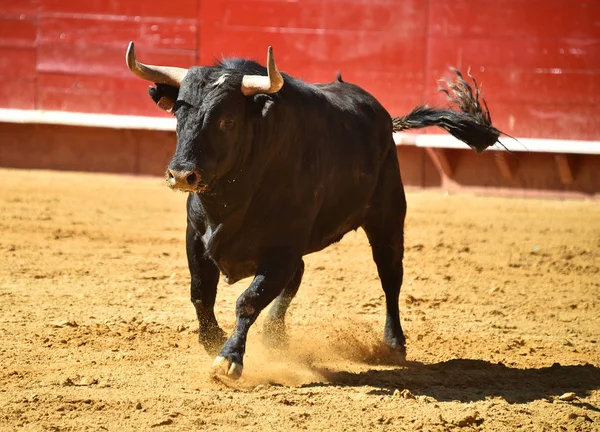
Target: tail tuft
[{"x": 471, "y": 123}]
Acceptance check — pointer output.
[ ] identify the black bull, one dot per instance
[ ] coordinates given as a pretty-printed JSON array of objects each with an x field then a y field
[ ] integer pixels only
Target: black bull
[{"x": 276, "y": 169}]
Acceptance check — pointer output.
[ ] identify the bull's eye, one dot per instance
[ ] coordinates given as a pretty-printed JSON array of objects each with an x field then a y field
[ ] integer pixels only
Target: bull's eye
[{"x": 226, "y": 123}]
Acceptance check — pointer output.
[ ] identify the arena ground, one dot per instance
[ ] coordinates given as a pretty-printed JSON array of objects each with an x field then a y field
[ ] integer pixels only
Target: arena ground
[{"x": 501, "y": 306}]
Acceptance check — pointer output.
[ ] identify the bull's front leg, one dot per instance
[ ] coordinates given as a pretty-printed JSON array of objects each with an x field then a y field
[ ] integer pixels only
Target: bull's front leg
[
  {"x": 205, "y": 277},
  {"x": 274, "y": 273}
]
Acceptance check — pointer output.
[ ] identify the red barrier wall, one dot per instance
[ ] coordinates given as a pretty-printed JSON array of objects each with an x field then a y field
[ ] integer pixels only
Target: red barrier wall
[{"x": 539, "y": 60}]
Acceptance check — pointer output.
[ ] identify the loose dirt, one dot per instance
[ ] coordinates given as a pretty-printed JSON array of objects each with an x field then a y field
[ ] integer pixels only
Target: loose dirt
[{"x": 501, "y": 307}]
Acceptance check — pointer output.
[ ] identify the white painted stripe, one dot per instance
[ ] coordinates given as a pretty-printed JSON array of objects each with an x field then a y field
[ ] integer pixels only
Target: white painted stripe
[
  {"x": 520, "y": 145},
  {"x": 84, "y": 119},
  {"x": 516, "y": 145},
  {"x": 168, "y": 124}
]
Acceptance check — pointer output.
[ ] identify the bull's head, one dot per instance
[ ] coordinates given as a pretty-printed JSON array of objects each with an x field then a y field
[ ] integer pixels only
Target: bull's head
[{"x": 215, "y": 109}]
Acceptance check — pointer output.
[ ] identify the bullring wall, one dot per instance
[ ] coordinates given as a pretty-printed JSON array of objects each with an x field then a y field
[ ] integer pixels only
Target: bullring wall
[{"x": 539, "y": 61}]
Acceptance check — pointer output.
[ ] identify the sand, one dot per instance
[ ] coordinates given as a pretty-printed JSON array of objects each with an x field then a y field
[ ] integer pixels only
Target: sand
[{"x": 500, "y": 305}]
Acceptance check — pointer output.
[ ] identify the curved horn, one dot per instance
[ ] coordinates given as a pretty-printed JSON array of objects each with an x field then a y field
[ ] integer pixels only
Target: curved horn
[
  {"x": 253, "y": 84},
  {"x": 158, "y": 74}
]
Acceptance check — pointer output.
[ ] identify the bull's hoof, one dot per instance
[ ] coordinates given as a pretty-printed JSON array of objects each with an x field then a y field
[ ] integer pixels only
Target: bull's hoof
[
  {"x": 212, "y": 340},
  {"x": 212, "y": 347},
  {"x": 395, "y": 355},
  {"x": 275, "y": 335},
  {"x": 227, "y": 367}
]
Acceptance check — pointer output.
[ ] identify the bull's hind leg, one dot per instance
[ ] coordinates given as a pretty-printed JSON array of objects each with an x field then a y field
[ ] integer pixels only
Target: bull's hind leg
[
  {"x": 274, "y": 273},
  {"x": 274, "y": 333},
  {"x": 384, "y": 226},
  {"x": 205, "y": 277}
]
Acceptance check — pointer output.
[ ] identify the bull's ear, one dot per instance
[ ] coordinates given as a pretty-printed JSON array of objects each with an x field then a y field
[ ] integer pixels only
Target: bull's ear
[
  {"x": 263, "y": 103},
  {"x": 164, "y": 96}
]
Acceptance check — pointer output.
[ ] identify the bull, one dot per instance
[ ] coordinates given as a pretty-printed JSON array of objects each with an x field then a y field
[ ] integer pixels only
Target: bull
[{"x": 277, "y": 168}]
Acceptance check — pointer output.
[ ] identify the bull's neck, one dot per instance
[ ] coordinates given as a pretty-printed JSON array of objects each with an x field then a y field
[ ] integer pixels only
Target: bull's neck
[
  {"x": 227, "y": 198},
  {"x": 226, "y": 201}
]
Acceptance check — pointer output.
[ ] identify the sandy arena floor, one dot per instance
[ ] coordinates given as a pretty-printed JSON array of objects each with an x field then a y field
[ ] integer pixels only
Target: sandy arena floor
[{"x": 501, "y": 306}]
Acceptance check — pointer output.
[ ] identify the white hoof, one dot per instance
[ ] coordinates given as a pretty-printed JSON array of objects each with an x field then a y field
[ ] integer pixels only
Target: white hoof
[{"x": 225, "y": 367}]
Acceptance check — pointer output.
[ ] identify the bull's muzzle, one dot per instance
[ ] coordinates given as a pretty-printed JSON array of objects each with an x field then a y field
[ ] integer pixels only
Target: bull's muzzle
[{"x": 187, "y": 181}]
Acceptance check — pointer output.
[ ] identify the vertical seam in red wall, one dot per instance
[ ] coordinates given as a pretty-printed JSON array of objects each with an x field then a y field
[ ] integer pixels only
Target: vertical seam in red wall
[
  {"x": 198, "y": 30},
  {"x": 36, "y": 98},
  {"x": 427, "y": 44},
  {"x": 424, "y": 92}
]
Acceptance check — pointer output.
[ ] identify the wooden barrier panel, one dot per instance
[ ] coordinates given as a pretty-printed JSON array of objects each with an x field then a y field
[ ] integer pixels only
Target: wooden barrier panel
[{"x": 148, "y": 152}]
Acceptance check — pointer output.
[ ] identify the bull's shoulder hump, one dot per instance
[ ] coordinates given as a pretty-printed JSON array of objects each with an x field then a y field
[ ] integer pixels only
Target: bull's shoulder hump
[
  {"x": 343, "y": 94},
  {"x": 339, "y": 87}
]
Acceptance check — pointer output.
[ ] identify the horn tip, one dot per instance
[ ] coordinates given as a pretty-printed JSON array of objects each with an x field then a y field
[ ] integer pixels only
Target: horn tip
[
  {"x": 130, "y": 55},
  {"x": 270, "y": 57}
]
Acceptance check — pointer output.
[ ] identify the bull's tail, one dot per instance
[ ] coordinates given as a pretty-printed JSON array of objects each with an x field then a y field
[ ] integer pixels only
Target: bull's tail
[{"x": 472, "y": 124}]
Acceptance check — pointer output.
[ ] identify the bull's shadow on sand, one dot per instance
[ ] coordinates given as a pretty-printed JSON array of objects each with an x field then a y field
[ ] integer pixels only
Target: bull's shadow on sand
[{"x": 473, "y": 380}]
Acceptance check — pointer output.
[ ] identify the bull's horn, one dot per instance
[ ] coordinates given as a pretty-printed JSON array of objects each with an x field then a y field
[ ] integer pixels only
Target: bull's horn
[
  {"x": 158, "y": 74},
  {"x": 253, "y": 84}
]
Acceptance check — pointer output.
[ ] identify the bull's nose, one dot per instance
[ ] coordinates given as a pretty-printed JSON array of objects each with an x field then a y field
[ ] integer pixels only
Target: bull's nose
[{"x": 182, "y": 180}]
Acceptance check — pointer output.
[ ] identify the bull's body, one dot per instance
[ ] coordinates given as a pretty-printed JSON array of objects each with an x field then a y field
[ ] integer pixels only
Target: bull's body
[
  {"x": 276, "y": 172},
  {"x": 324, "y": 150}
]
